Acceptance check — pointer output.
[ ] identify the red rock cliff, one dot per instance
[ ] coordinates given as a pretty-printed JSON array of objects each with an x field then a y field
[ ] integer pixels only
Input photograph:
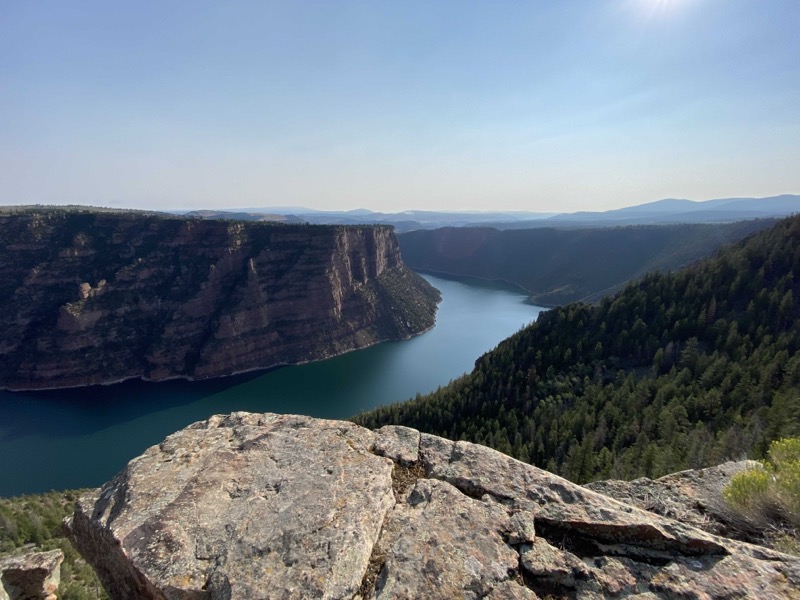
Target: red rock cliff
[{"x": 95, "y": 297}]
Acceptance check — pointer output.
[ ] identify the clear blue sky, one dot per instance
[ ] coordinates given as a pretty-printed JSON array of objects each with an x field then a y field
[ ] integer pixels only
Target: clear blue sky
[{"x": 554, "y": 105}]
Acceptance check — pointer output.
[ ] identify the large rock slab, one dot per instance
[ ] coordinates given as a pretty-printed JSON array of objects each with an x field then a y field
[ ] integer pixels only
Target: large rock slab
[
  {"x": 246, "y": 506},
  {"x": 269, "y": 506}
]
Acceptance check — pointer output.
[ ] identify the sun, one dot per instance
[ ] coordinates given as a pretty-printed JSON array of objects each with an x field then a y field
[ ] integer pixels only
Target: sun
[
  {"x": 662, "y": 6},
  {"x": 655, "y": 9}
]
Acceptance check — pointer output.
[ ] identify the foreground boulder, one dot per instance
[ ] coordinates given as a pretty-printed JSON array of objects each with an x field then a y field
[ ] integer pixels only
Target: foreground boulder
[
  {"x": 31, "y": 576},
  {"x": 282, "y": 506}
]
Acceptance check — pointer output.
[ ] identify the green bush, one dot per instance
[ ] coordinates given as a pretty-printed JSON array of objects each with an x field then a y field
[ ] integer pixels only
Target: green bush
[
  {"x": 770, "y": 492},
  {"x": 748, "y": 491},
  {"x": 785, "y": 451}
]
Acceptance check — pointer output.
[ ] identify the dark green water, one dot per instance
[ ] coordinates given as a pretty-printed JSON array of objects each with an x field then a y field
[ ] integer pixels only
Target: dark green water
[{"x": 80, "y": 438}]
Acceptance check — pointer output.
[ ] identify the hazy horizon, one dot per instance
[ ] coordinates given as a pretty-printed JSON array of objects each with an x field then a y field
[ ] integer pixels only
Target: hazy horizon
[
  {"x": 283, "y": 209},
  {"x": 539, "y": 107}
]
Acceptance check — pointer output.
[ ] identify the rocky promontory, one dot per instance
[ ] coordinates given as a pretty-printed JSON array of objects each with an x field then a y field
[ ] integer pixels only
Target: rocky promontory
[
  {"x": 97, "y": 297},
  {"x": 283, "y": 506},
  {"x": 30, "y": 575}
]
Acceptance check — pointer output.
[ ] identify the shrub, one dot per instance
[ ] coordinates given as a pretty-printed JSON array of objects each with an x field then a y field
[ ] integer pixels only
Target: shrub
[
  {"x": 748, "y": 490},
  {"x": 785, "y": 451},
  {"x": 770, "y": 493}
]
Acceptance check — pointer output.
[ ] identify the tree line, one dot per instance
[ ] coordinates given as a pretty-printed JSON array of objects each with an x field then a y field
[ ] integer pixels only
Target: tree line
[{"x": 678, "y": 370}]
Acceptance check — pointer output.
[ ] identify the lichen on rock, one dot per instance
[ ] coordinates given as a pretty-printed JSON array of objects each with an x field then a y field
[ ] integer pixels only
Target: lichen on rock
[{"x": 283, "y": 506}]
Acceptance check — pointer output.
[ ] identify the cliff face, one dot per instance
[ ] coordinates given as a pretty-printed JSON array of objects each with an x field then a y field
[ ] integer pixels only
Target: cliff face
[
  {"x": 283, "y": 506},
  {"x": 93, "y": 298}
]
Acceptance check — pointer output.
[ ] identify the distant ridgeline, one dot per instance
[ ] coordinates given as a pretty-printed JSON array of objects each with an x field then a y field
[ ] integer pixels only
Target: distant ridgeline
[
  {"x": 677, "y": 371},
  {"x": 95, "y": 297},
  {"x": 557, "y": 266}
]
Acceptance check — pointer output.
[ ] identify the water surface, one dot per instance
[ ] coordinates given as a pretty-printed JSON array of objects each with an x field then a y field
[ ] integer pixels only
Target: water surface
[{"x": 81, "y": 437}]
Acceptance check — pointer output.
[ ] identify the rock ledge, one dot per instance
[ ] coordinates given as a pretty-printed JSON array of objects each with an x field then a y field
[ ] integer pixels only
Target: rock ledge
[{"x": 283, "y": 506}]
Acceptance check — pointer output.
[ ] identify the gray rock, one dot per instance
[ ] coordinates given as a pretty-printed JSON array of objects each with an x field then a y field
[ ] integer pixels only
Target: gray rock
[
  {"x": 442, "y": 544},
  {"x": 269, "y": 506},
  {"x": 401, "y": 444},
  {"x": 693, "y": 497},
  {"x": 511, "y": 590},
  {"x": 30, "y": 576},
  {"x": 242, "y": 507},
  {"x": 556, "y": 502},
  {"x": 549, "y": 564}
]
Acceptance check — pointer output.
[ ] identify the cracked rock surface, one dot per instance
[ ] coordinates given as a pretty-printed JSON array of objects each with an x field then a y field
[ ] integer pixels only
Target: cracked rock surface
[
  {"x": 282, "y": 506},
  {"x": 693, "y": 497}
]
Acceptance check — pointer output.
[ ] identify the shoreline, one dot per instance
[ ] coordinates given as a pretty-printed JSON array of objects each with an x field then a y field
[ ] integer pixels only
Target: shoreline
[
  {"x": 460, "y": 277},
  {"x": 457, "y": 276},
  {"x": 189, "y": 378},
  {"x": 529, "y": 293}
]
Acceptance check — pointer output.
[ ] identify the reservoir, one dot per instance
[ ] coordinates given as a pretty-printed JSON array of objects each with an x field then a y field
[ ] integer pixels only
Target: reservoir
[{"x": 82, "y": 437}]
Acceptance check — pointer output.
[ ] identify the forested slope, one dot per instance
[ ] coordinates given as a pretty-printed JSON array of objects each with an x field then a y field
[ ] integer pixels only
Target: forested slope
[
  {"x": 676, "y": 371},
  {"x": 558, "y": 266}
]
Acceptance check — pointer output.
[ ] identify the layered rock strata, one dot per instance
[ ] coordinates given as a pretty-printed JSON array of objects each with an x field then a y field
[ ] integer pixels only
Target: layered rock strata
[
  {"x": 281, "y": 506},
  {"x": 93, "y": 298}
]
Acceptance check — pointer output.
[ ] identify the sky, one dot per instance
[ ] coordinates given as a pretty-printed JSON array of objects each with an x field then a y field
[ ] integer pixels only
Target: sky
[{"x": 552, "y": 106}]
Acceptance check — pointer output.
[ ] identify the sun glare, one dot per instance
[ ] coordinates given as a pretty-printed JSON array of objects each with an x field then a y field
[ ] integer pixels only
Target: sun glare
[{"x": 656, "y": 7}]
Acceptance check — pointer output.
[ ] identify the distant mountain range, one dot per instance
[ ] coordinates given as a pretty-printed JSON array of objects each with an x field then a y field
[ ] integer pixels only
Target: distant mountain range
[
  {"x": 409, "y": 220},
  {"x": 687, "y": 211},
  {"x": 667, "y": 211}
]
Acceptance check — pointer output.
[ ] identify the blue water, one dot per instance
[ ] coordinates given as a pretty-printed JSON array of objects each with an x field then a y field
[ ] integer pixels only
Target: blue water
[{"x": 81, "y": 437}]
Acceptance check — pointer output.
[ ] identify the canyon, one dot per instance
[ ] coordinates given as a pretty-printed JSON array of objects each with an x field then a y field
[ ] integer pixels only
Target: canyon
[
  {"x": 556, "y": 266},
  {"x": 99, "y": 297}
]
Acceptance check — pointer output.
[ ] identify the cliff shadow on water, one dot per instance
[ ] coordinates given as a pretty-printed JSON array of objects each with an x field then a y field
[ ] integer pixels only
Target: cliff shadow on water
[
  {"x": 61, "y": 439},
  {"x": 76, "y": 412}
]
